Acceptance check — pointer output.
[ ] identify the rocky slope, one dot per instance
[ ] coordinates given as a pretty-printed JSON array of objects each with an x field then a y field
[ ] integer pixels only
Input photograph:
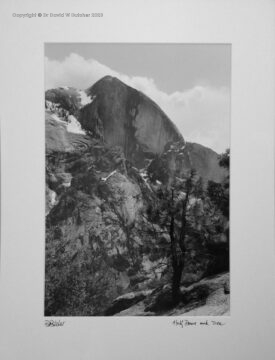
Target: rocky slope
[
  {"x": 208, "y": 297},
  {"x": 108, "y": 150}
]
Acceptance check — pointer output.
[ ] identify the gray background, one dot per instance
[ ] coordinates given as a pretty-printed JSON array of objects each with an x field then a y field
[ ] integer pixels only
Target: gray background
[{"x": 249, "y": 332}]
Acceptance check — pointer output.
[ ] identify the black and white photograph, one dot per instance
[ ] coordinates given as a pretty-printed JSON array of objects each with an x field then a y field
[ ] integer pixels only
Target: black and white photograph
[{"x": 137, "y": 157}]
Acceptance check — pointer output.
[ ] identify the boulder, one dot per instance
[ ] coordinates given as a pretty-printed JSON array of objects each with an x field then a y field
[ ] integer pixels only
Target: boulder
[{"x": 126, "y": 301}]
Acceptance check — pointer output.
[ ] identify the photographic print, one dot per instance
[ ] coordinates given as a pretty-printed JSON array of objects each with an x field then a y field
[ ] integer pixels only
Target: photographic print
[{"x": 137, "y": 147}]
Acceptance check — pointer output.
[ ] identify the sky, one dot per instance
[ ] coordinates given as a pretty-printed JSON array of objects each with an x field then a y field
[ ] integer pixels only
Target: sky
[{"x": 190, "y": 82}]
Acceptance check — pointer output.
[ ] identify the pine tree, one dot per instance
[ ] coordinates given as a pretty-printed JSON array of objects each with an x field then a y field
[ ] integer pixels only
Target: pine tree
[{"x": 170, "y": 211}]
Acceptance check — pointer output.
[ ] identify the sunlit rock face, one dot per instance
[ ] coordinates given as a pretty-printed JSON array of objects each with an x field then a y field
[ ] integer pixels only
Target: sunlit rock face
[{"x": 123, "y": 116}]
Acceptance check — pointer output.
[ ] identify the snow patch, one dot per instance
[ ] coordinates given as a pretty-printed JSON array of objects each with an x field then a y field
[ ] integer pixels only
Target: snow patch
[
  {"x": 67, "y": 184},
  {"x": 107, "y": 177},
  {"x": 55, "y": 108},
  {"x": 144, "y": 175},
  {"x": 74, "y": 126},
  {"x": 57, "y": 118},
  {"x": 52, "y": 106},
  {"x": 132, "y": 295},
  {"x": 148, "y": 163},
  {"x": 84, "y": 98},
  {"x": 67, "y": 181},
  {"x": 52, "y": 198}
]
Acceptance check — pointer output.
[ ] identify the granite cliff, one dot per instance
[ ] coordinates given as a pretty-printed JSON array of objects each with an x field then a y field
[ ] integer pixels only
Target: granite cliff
[{"x": 109, "y": 150}]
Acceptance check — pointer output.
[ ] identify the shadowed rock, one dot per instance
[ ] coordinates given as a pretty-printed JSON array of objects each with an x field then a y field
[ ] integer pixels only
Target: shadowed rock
[{"x": 122, "y": 115}]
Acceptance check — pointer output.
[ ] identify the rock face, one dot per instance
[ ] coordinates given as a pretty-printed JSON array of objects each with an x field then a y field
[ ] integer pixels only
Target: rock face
[
  {"x": 208, "y": 297},
  {"x": 178, "y": 159},
  {"x": 96, "y": 244},
  {"x": 109, "y": 149},
  {"x": 60, "y": 140},
  {"x": 125, "y": 117},
  {"x": 119, "y": 115}
]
